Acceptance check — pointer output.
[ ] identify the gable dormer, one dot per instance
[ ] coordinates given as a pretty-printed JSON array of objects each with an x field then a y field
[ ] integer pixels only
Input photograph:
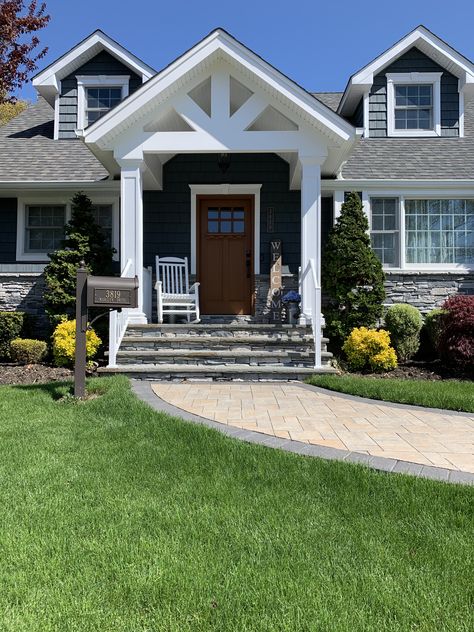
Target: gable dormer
[
  {"x": 88, "y": 81},
  {"x": 417, "y": 88}
]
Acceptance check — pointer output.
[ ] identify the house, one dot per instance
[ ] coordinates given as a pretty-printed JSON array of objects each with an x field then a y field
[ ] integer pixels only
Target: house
[{"x": 219, "y": 154}]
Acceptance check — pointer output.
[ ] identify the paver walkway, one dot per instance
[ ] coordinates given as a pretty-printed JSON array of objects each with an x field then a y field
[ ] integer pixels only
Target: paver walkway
[{"x": 318, "y": 417}]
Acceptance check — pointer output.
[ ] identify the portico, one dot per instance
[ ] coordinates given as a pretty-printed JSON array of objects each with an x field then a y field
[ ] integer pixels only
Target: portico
[{"x": 220, "y": 99}]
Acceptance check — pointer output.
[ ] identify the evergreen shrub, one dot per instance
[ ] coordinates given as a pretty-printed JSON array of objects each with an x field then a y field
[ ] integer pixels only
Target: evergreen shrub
[
  {"x": 64, "y": 343},
  {"x": 12, "y": 324},
  {"x": 352, "y": 275},
  {"x": 369, "y": 350},
  {"x": 28, "y": 350},
  {"x": 404, "y": 323},
  {"x": 84, "y": 241}
]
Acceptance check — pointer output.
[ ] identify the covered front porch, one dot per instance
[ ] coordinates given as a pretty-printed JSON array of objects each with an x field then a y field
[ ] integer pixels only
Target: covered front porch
[{"x": 218, "y": 155}]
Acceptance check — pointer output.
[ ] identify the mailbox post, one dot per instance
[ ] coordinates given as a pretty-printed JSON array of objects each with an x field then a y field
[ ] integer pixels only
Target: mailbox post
[
  {"x": 97, "y": 291},
  {"x": 81, "y": 331}
]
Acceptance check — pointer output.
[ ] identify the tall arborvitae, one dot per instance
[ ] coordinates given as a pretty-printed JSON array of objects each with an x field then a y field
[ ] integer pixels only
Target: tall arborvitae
[
  {"x": 352, "y": 275},
  {"x": 84, "y": 241}
]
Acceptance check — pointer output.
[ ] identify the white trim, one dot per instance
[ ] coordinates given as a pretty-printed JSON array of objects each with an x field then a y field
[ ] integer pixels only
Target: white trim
[
  {"x": 60, "y": 199},
  {"x": 429, "y": 78},
  {"x": 366, "y": 114},
  {"x": 338, "y": 202},
  {"x": 446, "y": 186},
  {"x": 461, "y": 112},
  {"x": 97, "y": 81},
  {"x": 225, "y": 189},
  {"x": 56, "y": 113},
  {"x": 424, "y": 40},
  {"x": 220, "y": 44},
  {"x": 47, "y": 81},
  {"x": 402, "y": 195}
]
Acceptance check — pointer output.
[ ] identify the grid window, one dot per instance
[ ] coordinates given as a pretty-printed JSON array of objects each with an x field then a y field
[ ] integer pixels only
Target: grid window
[
  {"x": 99, "y": 101},
  {"x": 414, "y": 107},
  {"x": 226, "y": 220},
  {"x": 384, "y": 230},
  {"x": 439, "y": 231},
  {"x": 103, "y": 216},
  {"x": 44, "y": 228}
]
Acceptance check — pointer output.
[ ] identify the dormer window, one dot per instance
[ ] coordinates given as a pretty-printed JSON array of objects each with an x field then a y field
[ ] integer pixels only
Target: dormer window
[
  {"x": 413, "y": 104},
  {"x": 96, "y": 95}
]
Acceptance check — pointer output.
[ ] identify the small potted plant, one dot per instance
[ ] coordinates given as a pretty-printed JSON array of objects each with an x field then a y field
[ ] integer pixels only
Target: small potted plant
[{"x": 292, "y": 302}]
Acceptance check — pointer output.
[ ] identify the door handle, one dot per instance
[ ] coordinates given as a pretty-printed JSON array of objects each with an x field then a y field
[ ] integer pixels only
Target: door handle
[{"x": 248, "y": 262}]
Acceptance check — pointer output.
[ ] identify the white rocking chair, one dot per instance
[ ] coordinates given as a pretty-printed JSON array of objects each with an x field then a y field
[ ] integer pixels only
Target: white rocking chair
[{"x": 174, "y": 296}]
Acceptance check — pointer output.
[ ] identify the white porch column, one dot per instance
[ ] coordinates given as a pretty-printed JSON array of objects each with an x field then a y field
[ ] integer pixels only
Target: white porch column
[
  {"x": 310, "y": 230},
  {"x": 131, "y": 228}
]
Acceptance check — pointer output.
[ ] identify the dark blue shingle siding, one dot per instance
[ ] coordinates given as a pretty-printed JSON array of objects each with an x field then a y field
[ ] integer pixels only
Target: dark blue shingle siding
[
  {"x": 102, "y": 64},
  {"x": 8, "y": 219},
  {"x": 414, "y": 61}
]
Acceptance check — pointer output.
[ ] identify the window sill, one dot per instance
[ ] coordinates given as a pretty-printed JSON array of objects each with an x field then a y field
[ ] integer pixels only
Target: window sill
[
  {"x": 414, "y": 134},
  {"x": 430, "y": 270}
]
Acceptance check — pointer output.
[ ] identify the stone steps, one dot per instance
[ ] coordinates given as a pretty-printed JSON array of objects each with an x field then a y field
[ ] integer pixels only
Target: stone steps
[
  {"x": 170, "y": 372},
  {"x": 219, "y": 351},
  {"x": 213, "y": 357}
]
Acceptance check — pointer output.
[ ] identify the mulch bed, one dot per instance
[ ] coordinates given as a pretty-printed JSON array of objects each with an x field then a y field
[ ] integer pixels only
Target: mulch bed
[
  {"x": 420, "y": 371},
  {"x": 33, "y": 374}
]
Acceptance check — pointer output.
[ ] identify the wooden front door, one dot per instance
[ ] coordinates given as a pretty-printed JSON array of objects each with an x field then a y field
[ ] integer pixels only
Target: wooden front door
[{"x": 225, "y": 254}]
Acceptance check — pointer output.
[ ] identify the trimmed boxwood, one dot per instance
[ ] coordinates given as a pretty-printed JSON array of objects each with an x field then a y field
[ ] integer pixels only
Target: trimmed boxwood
[
  {"x": 404, "y": 323},
  {"x": 12, "y": 325},
  {"x": 28, "y": 350}
]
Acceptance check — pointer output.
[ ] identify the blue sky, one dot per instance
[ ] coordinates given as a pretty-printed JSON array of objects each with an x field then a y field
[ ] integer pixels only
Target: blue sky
[{"x": 318, "y": 44}]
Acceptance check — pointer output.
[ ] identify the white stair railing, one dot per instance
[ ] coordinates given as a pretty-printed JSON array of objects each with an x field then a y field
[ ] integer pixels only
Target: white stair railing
[
  {"x": 315, "y": 304},
  {"x": 118, "y": 324}
]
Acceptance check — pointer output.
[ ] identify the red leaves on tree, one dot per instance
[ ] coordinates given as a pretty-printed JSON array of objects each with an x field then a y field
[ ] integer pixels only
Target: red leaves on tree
[{"x": 18, "y": 56}]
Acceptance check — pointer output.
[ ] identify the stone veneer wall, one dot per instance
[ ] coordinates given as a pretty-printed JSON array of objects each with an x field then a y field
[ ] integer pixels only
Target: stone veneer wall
[
  {"x": 426, "y": 291},
  {"x": 24, "y": 292}
]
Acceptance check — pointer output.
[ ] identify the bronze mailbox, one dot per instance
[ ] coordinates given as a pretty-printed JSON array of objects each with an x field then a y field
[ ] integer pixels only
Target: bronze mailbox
[{"x": 115, "y": 292}]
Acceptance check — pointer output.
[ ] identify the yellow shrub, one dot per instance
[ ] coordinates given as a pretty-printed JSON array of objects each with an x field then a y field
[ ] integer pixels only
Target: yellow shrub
[
  {"x": 370, "y": 349},
  {"x": 64, "y": 343}
]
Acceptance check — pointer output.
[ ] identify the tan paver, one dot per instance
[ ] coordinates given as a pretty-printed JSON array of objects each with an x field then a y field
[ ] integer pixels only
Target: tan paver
[{"x": 293, "y": 412}]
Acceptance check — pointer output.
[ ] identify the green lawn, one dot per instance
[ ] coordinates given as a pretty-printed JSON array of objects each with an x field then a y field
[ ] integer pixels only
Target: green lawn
[
  {"x": 116, "y": 518},
  {"x": 450, "y": 394}
]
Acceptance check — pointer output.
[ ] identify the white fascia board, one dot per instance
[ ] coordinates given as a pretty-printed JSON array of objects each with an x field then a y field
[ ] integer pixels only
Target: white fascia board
[
  {"x": 105, "y": 185},
  {"x": 443, "y": 54},
  {"x": 220, "y": 42},
  {"x": 399, "y": 185},
  {"x": 48, "y": 79}
]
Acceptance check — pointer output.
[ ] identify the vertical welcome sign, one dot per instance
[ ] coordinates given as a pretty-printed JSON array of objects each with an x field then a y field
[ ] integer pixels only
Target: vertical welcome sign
[{"x": 275, "y": 281}]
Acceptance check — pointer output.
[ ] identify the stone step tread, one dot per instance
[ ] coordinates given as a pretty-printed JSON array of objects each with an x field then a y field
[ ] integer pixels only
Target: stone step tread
[
  {"x": 211, "y": 340},
  {"x": 235, "y": 369},
  {"x": 205, "y": 353},
  {"x": 231, "y": 327}
]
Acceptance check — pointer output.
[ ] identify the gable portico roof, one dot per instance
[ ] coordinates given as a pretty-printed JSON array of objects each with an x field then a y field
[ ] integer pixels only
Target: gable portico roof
[
  {"x": 219, "y": 42},
  {"x": 421, "y": 38}
]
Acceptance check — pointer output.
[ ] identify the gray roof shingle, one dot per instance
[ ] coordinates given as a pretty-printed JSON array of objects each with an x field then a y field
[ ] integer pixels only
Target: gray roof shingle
[
  {"x": 331, "y": 99},
  {"x": 415, "y": 158},
  {"x": 29, "y": 153}
]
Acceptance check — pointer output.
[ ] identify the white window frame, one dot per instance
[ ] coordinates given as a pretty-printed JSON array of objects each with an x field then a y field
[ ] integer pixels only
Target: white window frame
[
  {"x": 97, "y": 81},
  {"x": 415, "y": 78},
  {"x": 419, "y": 195},
  {"x": 63, "y": 200},
  {"x": 395, "y": 231}
]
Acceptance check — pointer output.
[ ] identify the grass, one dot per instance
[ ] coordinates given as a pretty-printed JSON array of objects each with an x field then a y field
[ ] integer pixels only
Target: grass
[
  {"x": 450, "y": 394},
  {"x": 117, "y": 518}
]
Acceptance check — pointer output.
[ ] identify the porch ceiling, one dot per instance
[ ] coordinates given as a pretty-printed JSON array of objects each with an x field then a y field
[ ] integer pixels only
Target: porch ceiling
[{"x": 220, "y": 97}]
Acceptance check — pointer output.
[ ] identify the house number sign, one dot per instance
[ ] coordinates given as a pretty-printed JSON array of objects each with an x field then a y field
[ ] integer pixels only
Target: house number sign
[
  {"x": 275, "y": 281},
  {"x": 117, "y": 297}
]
